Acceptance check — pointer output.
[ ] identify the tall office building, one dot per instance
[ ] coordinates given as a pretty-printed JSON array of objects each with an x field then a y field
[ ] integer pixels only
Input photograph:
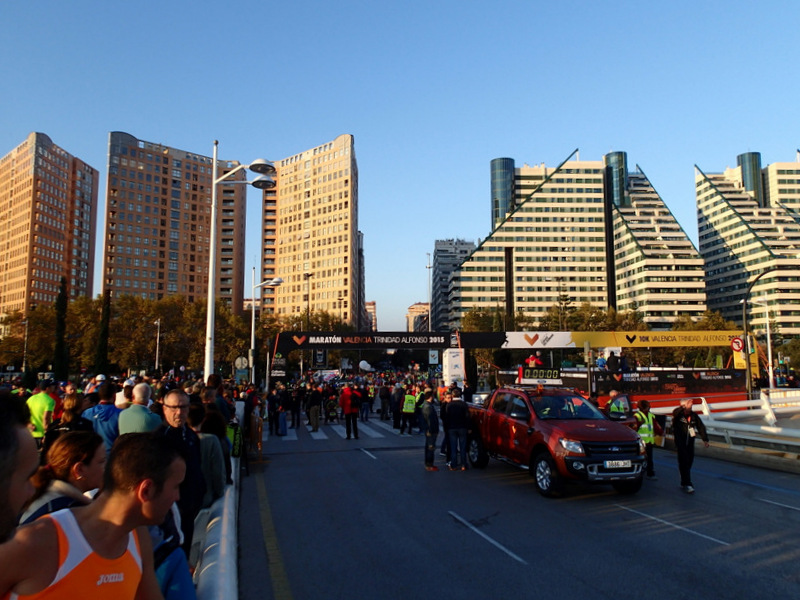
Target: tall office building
[
  {"x": 372, "y": 315},
  {"x": 749, "y": 227},
  {"x": 589, "y": 229},
  {"x": 417, "y": 317},
  {"x": 447, "y": 256},
  {"x": 310, "y": 235},
  {"x": 158, "y": 223},
  {"x": 48, "y": 211}
]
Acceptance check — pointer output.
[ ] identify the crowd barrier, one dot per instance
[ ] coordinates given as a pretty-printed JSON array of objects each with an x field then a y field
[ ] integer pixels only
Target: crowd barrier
[{"x": 215, "y": 544}]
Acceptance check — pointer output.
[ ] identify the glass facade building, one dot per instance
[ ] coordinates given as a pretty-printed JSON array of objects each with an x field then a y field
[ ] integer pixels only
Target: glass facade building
[{"x": 502, "y": 182}]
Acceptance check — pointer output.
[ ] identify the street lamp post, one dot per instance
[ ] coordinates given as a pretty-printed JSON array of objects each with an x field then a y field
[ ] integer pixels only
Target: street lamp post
[
  {"x": 746, "y": 332},
  {"x": 307, "y": 277},
  {"x": 263, "y": 182},
  {"x": 430, "y": 298},
  {"x": 25, "y": 349},
  {"x": 770, "y": 369},
  {"x": 274, "y": 282},
  {"x": 158, "y": 340}
]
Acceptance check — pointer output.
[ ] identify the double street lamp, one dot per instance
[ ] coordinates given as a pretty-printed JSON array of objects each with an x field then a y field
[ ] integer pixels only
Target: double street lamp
[
  {"x": 261, "y": 167},
  {"x": 746, "y": 332},
  {"x": 274, "y": 282}
]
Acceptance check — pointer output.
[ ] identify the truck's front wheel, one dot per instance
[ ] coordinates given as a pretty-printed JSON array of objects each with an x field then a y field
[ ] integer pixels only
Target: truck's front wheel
[
  {"x": 545, "y": 473},
  {"x": 476, "y": 453}
]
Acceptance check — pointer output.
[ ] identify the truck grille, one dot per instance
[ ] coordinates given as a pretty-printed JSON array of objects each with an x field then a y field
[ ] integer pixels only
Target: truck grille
[{"x": 610, "y": 449}]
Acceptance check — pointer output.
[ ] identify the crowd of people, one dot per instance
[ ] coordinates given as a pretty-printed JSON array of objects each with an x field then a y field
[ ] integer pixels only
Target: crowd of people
[
  {"x": 101, "y": 481},
  {"x": 104, "y": 479}
]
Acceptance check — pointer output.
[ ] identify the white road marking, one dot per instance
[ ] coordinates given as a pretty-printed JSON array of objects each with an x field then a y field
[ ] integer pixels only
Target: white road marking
[
  {"x": 676, "y": 526},
  {"x": 370, "y": 454},
  {"x": 486, "y": 537},
  {"x": 369, "y": 431},
  {"x": 790, "y": 507},
  {"x": 340, "y": 430}
]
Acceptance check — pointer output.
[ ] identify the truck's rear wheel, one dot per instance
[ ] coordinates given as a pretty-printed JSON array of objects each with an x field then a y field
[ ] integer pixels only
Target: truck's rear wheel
[
  {"x": 476, "y": 453},
  {"x": 545, "y": 474},
  {"x": 628, "y": 487}
]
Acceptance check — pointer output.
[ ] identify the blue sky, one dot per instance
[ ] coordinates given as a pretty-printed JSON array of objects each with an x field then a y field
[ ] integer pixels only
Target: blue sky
[{"x": 431, "y": 90}]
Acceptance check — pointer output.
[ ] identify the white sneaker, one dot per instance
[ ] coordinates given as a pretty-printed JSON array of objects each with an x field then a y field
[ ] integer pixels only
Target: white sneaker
[{"x": 689, "y": 489}]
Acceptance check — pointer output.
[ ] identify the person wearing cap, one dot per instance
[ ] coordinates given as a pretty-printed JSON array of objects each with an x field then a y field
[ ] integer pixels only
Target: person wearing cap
[
  {"x": 124, "y": 397},
  {"x": 95, "y": 382},
  {"x": 42, "y": 407}
]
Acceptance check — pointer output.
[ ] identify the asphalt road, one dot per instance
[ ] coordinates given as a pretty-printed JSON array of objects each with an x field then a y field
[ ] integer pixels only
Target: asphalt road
[{"x": 334, "y": 518}]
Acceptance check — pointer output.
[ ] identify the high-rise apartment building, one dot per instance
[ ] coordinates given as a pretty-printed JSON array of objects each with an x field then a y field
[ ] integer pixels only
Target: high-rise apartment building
[
  {"x": 372, "y": 315},
  {"x": 48, "y": 212},
  {"x": 749, "y": 227},
  {"x": 310, "y": 235},
  {"x": 447, "y": 256},
  {"x": 417, "y": 317},
  {"x": 158, "y": 223},
  {"x": 589, "y": 229}
]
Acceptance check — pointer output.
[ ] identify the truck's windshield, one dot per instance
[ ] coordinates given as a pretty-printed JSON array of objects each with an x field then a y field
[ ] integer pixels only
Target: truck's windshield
[{"x": 564, "y": 407}]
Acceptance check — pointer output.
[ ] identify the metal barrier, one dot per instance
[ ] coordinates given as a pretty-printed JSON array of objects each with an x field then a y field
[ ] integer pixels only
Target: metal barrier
[
  {"x": 216, "y": 572},
  {"x": 718, "y": 417}
]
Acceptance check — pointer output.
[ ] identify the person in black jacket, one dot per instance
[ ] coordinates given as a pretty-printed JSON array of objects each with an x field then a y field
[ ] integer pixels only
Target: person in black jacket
[
  {"x": 458, "y": 426},
  {"x": 429, "y": 422},
  {"x": 181, "y": 437},
  {"x": 686, "y": 426}
]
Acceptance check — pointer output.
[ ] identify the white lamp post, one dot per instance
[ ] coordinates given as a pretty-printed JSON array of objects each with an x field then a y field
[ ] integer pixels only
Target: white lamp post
[
  {"x": 158, "y": 340},
  {"x": 261, "y": 167},
  {"x": 274, "y": 282},
  {"x": 763, "y": 301}
]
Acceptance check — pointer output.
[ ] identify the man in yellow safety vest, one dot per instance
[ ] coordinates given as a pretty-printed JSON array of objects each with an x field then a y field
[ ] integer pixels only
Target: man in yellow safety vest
[{"x": 647, "y": 427}]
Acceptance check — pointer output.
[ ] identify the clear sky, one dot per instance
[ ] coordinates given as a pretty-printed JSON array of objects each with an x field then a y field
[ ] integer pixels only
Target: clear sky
[{"x": 432, "y": 91}]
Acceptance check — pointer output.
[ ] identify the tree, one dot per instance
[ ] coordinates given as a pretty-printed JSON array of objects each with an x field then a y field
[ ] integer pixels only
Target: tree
[
  {"x": 84, "y": 316},
  {"x": 696, "y": 357},
  {"x": 101, "y": 351},
  {"x": 12, "y": 345},
  {"x": 61, "y": 350}
]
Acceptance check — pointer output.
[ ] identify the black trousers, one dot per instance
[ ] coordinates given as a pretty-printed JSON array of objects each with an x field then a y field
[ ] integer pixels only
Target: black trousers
[
  {"x": 351, "y": 423},
  {"x": 685, "y": 450},
  {"x": 648, "y": 448}
]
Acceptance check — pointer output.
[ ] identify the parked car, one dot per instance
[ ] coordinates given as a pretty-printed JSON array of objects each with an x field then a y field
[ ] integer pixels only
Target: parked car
[{"x": 559, "y": 436}]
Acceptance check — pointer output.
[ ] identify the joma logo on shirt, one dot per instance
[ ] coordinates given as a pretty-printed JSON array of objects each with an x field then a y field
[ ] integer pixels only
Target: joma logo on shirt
[{"x": 111, "y": 578}]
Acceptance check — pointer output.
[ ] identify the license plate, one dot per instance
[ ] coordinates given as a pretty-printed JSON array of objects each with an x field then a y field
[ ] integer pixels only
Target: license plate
[{"x": 617, "y": 464}]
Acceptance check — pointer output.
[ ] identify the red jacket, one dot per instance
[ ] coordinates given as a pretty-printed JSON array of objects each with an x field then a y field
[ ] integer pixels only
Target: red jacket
[{"x": 346, "y": 401}]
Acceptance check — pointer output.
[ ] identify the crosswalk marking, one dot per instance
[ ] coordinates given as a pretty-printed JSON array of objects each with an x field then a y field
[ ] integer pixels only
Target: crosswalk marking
[
  {"x": 317, "y": 435},
  {"x": 373, "y": 429}
]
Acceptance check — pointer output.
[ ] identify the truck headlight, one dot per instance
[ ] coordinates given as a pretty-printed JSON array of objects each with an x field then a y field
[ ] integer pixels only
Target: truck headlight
[
  {"x": 572, "y": 446},
  {"x": 642, "y": 449}
]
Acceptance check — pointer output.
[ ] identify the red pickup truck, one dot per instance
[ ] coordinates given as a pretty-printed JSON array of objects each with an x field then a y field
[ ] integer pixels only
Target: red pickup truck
[{"x": 559, "y": 436}]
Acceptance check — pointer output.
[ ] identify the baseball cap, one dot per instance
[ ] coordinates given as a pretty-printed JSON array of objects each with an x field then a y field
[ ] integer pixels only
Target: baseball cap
[
  {"x": 130, "y": 382},
  {"x": 101, "y": 377}
]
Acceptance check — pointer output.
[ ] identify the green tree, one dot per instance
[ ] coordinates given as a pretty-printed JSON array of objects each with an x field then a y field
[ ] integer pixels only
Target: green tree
[
  {"x": 83, "y": 330},
  {"x": 697, "y": 357},
  {"x": 101, "y": 362},
  {"x": 12, "y": 344},
  {"x": 61, "y": 349},
  {"x": 587, "y": 317}
]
